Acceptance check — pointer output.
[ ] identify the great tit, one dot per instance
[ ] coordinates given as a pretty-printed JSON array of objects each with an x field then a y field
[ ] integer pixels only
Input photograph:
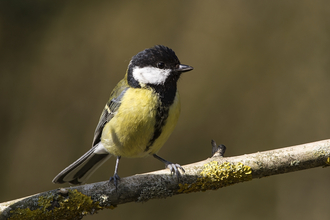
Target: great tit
[{"x": 140, "y": 115}]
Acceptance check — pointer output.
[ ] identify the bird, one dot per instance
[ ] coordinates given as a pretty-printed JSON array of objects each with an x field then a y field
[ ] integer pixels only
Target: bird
[{"x": 139, "y": 117}]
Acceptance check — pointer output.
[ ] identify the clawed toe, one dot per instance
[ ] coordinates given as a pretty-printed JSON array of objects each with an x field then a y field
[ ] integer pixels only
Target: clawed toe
[
  {"x": 115, "y": 178},
  {"x": 175, "y": 168}
]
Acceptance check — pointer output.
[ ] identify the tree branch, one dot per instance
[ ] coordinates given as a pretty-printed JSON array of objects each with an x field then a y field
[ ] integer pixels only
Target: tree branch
[{"x": 212, "y": 173}]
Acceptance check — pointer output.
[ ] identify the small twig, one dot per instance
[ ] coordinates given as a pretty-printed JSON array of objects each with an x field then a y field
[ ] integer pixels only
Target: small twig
[{"x": 218, "y": 150}]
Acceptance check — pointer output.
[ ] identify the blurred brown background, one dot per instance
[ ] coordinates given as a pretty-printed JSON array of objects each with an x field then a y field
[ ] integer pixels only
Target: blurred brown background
[{"x": 261, "y": 81}]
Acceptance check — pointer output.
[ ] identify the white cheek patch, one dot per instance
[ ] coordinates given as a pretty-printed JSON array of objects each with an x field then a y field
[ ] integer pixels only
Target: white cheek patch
[{"x": 150, "y": 75}]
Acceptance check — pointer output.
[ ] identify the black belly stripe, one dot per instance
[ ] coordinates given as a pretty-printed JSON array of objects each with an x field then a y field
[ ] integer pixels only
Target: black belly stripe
[
  {"x": 161, "y": 117},
  {"x": 166, "y": 94}
]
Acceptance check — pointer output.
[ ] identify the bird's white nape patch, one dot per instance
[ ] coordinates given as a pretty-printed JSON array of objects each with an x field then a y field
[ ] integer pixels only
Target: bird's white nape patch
[{"x": 150, "y": 75}]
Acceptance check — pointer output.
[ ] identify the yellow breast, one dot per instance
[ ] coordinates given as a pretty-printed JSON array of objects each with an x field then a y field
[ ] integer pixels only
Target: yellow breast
[{"x": 130, "y": 130}]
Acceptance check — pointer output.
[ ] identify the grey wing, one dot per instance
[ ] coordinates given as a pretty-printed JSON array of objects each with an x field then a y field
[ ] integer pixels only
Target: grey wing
[{"x": 108, "y": 113}]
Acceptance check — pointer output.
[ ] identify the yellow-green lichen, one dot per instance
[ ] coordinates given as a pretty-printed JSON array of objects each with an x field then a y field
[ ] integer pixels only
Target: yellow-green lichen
[
  {"x": 328, "y": 161},
  {"x": 215, "y": 175},
  {"x": 74, "y": 205}
]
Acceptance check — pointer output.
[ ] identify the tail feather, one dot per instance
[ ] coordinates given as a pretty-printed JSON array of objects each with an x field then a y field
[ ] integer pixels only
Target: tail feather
[{"x": 79, "y": 171}]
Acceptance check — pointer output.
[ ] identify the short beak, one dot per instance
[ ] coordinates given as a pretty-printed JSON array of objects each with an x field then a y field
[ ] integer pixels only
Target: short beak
[{"x": 184, "y": 68}]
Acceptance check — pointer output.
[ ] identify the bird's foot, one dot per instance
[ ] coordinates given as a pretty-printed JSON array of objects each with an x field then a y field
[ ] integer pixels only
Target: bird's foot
[
  {"x": 115, "y": 178},
  {"x": 175, "y": 169}
]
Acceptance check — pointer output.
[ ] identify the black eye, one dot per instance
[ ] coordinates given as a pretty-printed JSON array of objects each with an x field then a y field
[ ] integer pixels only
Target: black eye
[{"x": 161, "y": 65}]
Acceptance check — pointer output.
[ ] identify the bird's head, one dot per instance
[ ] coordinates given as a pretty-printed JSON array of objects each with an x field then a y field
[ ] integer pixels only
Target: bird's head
[{"x": 155, "y": 66}]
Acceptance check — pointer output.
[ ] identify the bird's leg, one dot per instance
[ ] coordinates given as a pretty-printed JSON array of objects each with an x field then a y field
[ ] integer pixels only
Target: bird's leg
[
  {"x": 174, "y": 168},
  {"x": 115, "y": 176}
]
